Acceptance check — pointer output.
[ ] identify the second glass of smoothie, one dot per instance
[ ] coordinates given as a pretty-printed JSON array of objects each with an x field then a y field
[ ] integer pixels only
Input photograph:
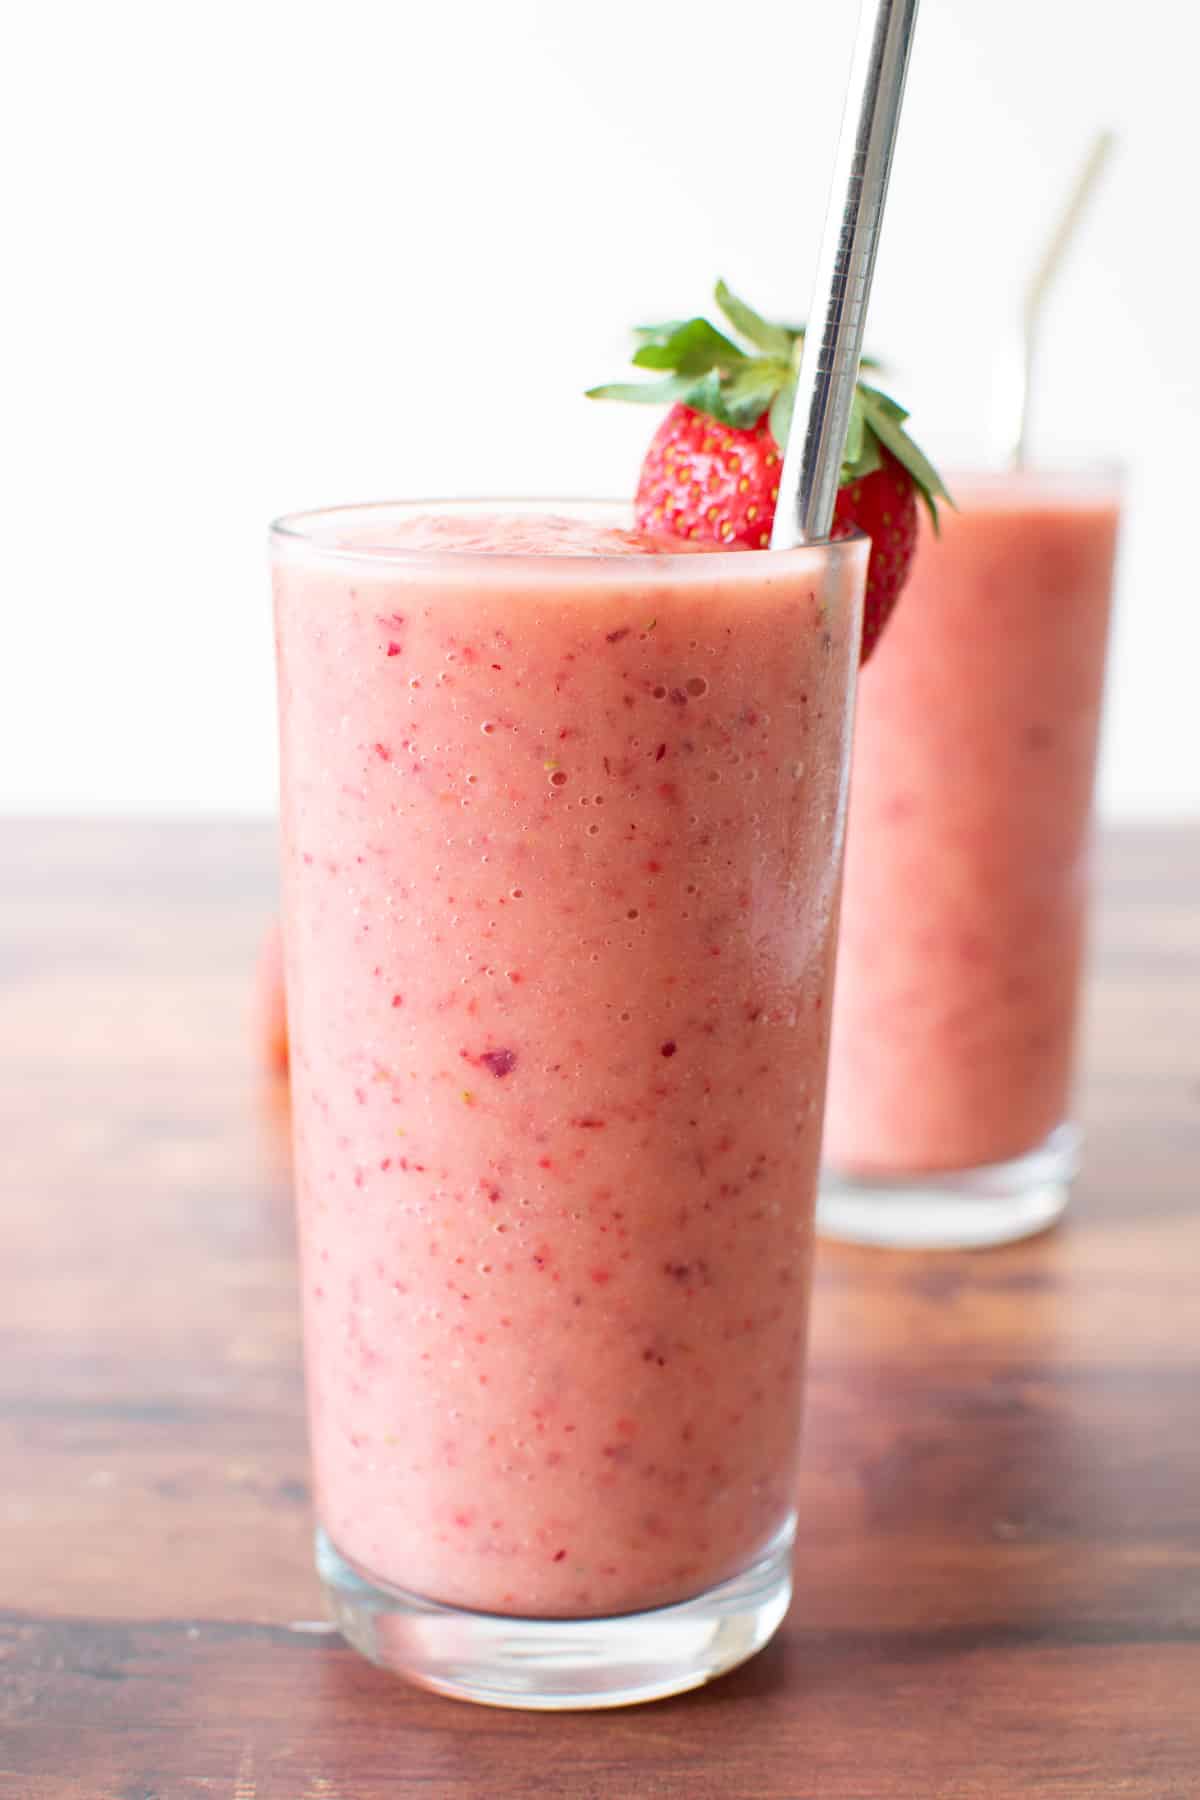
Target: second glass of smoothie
[
  {"x": 561, "y": 838},
  {"x": 948, "y": 1119}
]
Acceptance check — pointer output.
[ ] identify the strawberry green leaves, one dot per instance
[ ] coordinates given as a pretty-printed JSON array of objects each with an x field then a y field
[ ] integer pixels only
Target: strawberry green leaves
[
  {"x": 746, "y": 396},
  {"x": 782, "y": 408},
  {"x": 692, "y": 348},
  {"x": 704, "y": 369},
  {"x": 657, "y": 334},
  {"x": 885, "y": 422},
  {"x": 653, "y": 393},
  {"x": 772, "y": 340}
]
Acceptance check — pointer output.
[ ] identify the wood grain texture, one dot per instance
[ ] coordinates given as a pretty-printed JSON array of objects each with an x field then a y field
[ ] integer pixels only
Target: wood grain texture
[{"x": 998, "y": 1579}]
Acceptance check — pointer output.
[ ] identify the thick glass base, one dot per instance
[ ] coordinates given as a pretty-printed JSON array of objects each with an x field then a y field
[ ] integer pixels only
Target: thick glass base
[
  {"x": 952, "y": 1209},
  {"x": 553, "y": 1665}
]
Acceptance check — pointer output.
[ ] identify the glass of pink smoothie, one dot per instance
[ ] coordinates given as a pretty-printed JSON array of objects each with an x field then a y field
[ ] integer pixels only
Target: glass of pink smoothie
[
  {"x": 562, "y": 836},
  {"x": 947, "y": 1122}
]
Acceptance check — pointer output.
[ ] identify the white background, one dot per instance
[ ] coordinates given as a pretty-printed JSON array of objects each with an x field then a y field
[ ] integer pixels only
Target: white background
[{"x": 263, "y": 256}]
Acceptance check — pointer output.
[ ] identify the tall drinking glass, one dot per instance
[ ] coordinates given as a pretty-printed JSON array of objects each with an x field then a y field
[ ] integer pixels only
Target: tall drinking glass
[
  {"x": 561, "y": 835},
  {"x": 948, "y": 1118}
]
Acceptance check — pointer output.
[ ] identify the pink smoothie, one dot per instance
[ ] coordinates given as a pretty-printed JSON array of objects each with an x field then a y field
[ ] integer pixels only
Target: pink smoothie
[
  {"x": 561, "y": 853},
  {"x": 966, "y": 861}
]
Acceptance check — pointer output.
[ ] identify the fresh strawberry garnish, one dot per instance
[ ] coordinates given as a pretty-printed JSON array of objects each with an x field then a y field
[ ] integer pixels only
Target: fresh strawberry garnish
[
  {"x": 884, "y": 505},
  {"x": 711, "y": 473},
  {"x": 703, "y": 479}
]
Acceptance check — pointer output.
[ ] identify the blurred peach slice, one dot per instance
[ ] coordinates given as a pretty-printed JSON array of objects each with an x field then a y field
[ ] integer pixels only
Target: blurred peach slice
[{"x": 270, "y": 1010}]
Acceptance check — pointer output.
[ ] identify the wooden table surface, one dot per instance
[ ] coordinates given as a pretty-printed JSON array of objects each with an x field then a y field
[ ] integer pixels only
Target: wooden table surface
[{"x": 998, "y": 1581}]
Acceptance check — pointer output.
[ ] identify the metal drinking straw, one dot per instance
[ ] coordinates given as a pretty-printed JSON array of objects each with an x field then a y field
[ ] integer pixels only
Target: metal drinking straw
[
  {"x": 1043, "y": 279},
  {"x": 833, "y": 342}
]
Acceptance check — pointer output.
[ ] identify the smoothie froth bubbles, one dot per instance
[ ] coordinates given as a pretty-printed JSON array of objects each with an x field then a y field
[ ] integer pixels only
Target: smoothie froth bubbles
[{"x": 561, "y": 850}]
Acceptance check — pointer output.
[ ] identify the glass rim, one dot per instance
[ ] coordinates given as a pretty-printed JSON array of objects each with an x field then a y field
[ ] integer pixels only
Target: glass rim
[
  {"x": 300, "y": 532},
  {"x": 1102, "y": 474}
]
